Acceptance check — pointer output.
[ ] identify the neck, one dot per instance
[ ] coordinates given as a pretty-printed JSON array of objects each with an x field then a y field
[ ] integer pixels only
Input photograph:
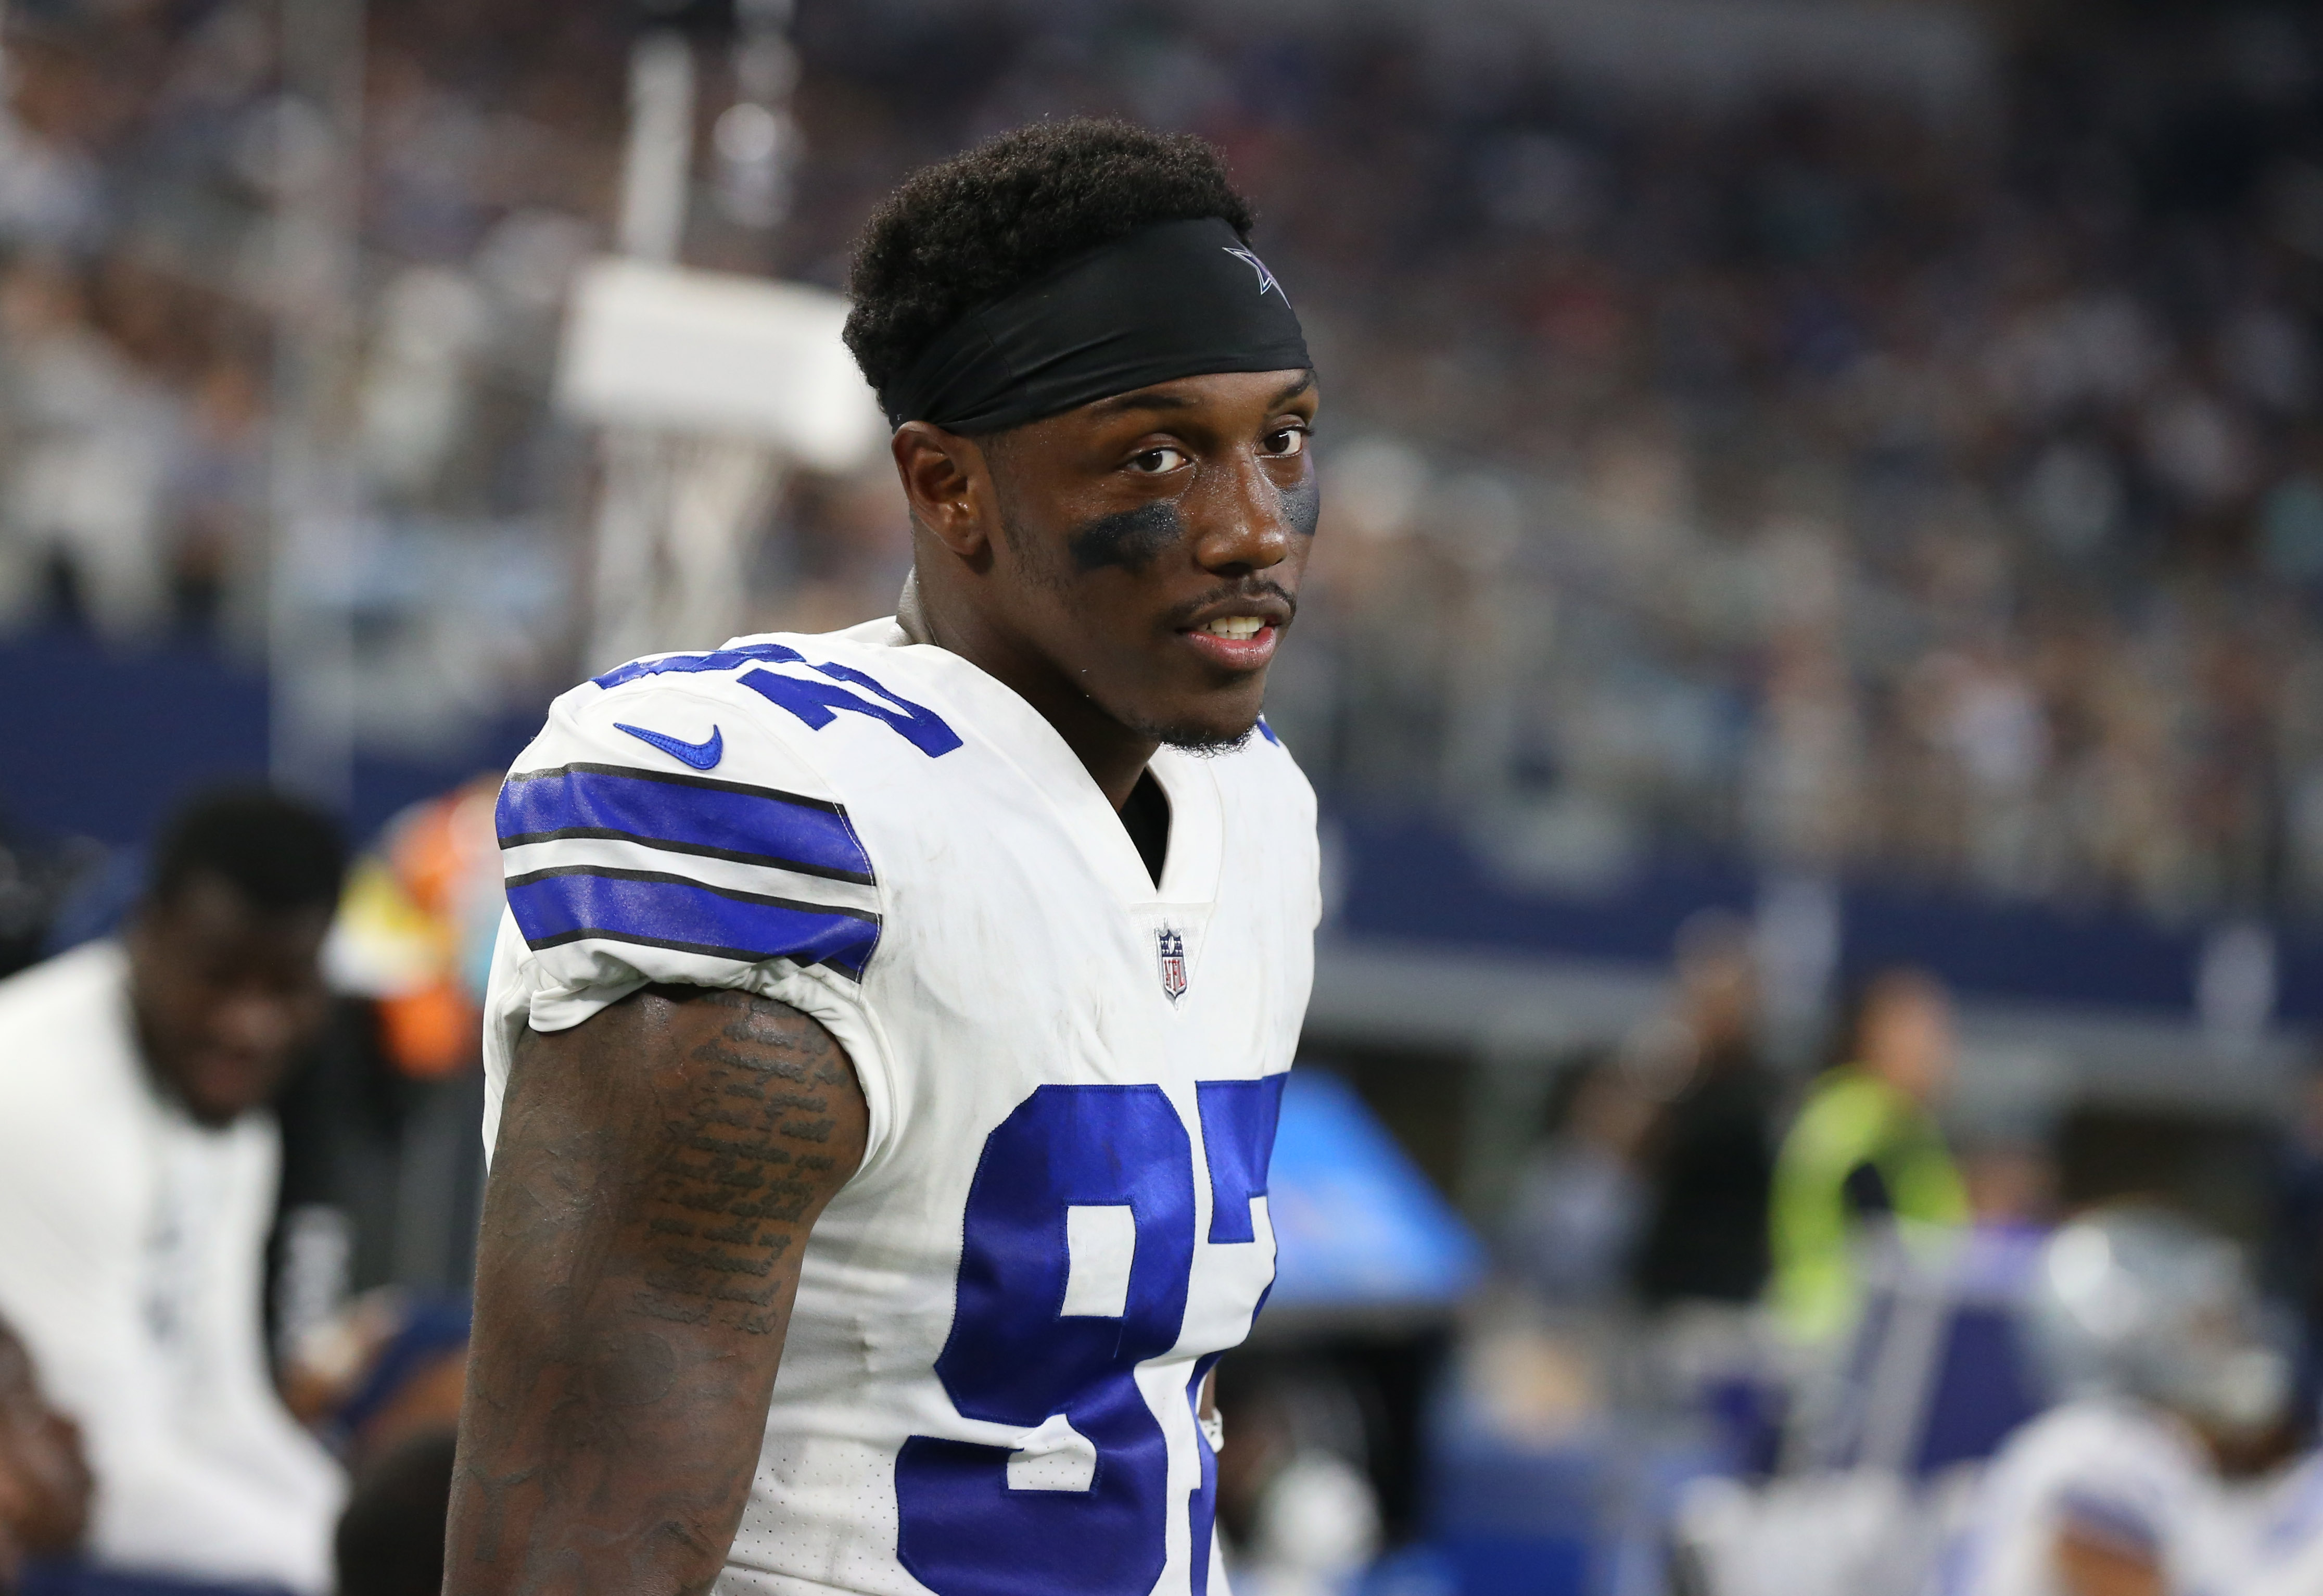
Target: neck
[{"x": 1114, "y": 755}]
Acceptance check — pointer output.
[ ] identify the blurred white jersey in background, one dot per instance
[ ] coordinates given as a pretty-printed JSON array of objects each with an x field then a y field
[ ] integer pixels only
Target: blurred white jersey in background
[
  {"x": 2119, "y": 1472},
  {"x": 132, "y": 1241}
]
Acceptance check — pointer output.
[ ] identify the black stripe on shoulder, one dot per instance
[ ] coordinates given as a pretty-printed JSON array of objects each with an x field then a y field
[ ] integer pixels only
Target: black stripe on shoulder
[
  {"x": 674, "y": 779},
  {"x": 709, "y": 951}
]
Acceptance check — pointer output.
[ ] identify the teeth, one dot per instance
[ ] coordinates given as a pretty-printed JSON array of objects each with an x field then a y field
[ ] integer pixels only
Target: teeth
[{"x": 1241, "y": 627}]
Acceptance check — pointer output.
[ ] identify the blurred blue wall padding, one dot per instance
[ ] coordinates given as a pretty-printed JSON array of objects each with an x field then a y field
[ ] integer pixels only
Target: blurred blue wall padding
[
  {"x": 1416, "y": 880},
  {"x": 101, "y": 743},
  {"x": 97, "y": 742}
]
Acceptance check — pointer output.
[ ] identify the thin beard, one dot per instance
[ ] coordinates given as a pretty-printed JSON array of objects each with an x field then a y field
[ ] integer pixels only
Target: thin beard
[{"x": 1201, "y": 745}]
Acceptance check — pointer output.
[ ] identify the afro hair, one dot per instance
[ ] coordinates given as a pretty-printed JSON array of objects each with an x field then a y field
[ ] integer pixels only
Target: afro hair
[{"x": 965, "y": 232}]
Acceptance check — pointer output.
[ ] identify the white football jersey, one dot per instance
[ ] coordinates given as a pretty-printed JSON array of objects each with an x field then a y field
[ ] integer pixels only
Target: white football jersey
[
  {"x": 2120, "y": 1471},
  {"x": 1073, "y": 1077}
]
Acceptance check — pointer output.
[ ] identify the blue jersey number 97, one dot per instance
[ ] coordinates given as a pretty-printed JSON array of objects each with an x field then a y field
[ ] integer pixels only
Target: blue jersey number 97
[{"x": 1023, "y": 1351}]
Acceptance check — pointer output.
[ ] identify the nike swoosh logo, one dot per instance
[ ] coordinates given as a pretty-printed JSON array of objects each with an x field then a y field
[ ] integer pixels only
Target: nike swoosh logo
[{"x": 701, "y": 756}]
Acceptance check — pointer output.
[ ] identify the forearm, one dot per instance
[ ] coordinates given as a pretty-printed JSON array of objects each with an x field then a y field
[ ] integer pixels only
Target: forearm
[{"x": 654, "y": 1186}]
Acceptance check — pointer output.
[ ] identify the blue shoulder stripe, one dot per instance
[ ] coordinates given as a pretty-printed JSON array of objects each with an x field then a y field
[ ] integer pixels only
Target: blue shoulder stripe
[
  {"x": 723, "y": 659},
  {"x": 676, "y": 814},
  {"x": 579, "y": 902}
]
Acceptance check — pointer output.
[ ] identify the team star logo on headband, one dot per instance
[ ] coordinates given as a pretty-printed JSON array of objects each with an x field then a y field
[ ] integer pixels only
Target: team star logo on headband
[
  {"x": 1090, "y": 330},
  {"x": 1266, "y": 277}
]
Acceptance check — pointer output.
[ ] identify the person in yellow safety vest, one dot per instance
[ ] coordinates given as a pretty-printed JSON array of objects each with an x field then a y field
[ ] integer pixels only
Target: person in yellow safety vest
[{"x": 1866, "y": 1150}]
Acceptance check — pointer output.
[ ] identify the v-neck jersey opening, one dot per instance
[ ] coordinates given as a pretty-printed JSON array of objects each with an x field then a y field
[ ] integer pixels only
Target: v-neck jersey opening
[
  {"x": 1146, "y": 817},
  {"x": 1025, "y": 740}
]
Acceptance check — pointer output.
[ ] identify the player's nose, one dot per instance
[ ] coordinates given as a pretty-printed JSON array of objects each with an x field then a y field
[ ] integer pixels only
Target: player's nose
[{"x": 1241, "y": 523}]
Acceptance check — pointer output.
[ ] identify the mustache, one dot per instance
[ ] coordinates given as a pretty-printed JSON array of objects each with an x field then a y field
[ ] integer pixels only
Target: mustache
[{"x": 1253, "y": 586}]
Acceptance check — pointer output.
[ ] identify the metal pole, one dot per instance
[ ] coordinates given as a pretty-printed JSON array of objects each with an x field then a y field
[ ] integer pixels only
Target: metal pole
[
  {"x": 672, "y": 514},
  {"x": 313, "y": 497},
  {"x": 633, "y": 497},
  {"x": 657, "y": 167}
]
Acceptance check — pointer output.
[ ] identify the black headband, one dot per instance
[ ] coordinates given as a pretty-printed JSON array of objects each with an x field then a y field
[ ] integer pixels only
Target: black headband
[{"x": 1176, "y": 299}]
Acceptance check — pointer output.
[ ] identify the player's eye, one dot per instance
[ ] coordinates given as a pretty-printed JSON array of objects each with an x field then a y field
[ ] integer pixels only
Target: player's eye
[
  {"x": 1154, "y": 463},
  {"x": 1287, "y": 441}
]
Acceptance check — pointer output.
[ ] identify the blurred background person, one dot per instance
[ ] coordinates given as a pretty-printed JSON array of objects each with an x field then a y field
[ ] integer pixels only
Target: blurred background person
[
  {"x": 44, "y": 1484},
  {"x": 1866, "y": 1155},
  {"x": 1573, "y": 1221},
  {"x": 1707, "y": 1158},
  {"x": 2150, "y": 1329},
  {"x": 137, "y": 1173}
]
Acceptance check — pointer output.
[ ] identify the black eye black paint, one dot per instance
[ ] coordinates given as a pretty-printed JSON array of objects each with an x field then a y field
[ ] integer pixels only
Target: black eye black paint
[
  {"x": 1129, "y": 538},
  {"x": 1302, "y": 505}
]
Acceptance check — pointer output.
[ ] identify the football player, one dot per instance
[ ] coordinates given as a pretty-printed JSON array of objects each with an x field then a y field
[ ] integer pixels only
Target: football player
[
  {"x": 2153, "y": 1330},
  {"x": 886, "y": 1036}
]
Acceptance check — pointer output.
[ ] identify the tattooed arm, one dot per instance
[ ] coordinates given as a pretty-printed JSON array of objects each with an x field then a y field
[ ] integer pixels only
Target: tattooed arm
[{"x": 658, "y": 1168}]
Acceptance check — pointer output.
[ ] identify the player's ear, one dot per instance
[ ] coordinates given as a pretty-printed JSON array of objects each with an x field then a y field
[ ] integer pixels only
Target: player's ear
[{"x": 945, "y": 480}]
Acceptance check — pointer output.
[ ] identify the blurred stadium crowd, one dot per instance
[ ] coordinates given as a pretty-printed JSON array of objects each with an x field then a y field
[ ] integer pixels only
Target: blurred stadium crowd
[
  {"x": 1922, "y": 475},
  {"x": 1907, "y": 462}
]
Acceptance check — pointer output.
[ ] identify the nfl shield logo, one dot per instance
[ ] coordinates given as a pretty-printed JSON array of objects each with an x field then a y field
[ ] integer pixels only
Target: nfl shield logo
[{"x": 1173, "y": 950}]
